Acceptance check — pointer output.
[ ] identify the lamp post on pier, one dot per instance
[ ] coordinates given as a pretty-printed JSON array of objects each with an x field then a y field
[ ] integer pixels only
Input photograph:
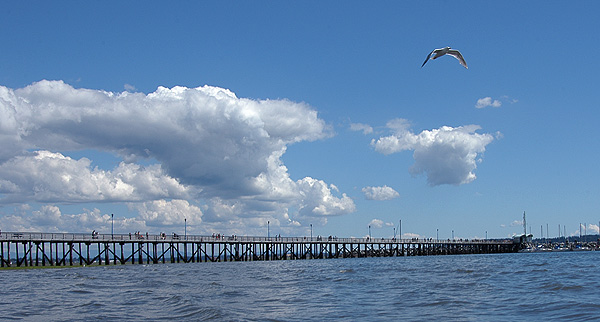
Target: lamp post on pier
[
  {"x": 112, "y": 226},
  {"x": 310, "y": 232},
  {"x": 437, "y": 234},
  {"x": 185, "y": 228},
  {"x": 369, "y": 231},
  {"x": 268, "y": 229}
]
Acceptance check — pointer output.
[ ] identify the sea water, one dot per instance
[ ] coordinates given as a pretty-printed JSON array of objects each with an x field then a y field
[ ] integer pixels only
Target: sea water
[{"x": 496, "y": 287}]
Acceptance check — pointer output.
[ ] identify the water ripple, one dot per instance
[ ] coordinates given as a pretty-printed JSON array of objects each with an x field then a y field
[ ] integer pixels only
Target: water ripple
[{"x": 456, "y": 288}]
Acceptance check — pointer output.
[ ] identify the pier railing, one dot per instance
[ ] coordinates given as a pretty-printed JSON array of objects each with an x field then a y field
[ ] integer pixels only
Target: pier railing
[{"x": 59, "y": 237}]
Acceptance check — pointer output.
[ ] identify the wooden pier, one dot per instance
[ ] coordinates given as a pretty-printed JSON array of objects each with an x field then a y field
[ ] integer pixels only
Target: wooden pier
[{"x": 57, "y": 249}]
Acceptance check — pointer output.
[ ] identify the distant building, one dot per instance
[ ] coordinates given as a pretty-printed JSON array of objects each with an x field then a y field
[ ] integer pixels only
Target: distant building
[{"x": 523, "y": 239}]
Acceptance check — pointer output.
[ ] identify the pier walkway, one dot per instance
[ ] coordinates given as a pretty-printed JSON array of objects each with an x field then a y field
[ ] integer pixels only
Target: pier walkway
[{"x": 24, "y": 249}]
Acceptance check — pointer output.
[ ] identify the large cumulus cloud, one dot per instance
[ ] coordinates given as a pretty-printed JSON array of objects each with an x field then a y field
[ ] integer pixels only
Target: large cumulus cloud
[
  {"x": 210, "y": 146},
  {"x": 447, "y": 155},
  {"x": 204, "y": 135}
]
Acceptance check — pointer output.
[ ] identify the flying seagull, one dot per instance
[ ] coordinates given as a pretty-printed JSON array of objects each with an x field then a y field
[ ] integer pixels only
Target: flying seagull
[{"x": 443, "y": 51}]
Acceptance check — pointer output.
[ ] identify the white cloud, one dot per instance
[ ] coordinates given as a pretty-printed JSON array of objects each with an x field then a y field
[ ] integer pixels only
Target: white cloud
[
  {"x": 380, "y": 193},
  {"x": 129, "y": 87},
  {"x": 509, "y": 99},
  {"x": 319, "y": 200},
  {"x": 52, "y": 177},
  {"x": 220, "y": 153},
  {"x": 446, "y": 155},
  {"x": 153, "y": 216},
  {"x": 516, "y": 223},
  {"x": 399, "y": 141},
  {"x": 376, "y": 223},
  {"x": 159, "y": 213},
  {"x": 487, "y": 101},
  {"x": 49, "y": 218},
  {"x": 365, "y": 128},
  {"x": 204, "y": 136}
]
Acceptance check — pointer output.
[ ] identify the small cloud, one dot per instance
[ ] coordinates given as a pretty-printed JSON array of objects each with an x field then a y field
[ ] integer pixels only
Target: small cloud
[
  {"x": 380, "y": 193},
  {"x": 376, "y": 223},
  {"x": 510, "y": 99},
  {"x": 487, "y": 101},
  {"x": 365, "y": 128},
  {"x": 516, "y": 223},
  {"x": 129, "y": 88}
]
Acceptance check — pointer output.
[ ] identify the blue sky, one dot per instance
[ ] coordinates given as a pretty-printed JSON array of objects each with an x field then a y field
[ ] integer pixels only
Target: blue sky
[{"x": 232, "y": 115}]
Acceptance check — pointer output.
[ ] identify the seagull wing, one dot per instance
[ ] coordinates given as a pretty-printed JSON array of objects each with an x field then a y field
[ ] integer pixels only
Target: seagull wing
[
  {"x": 456, "y": 54},
  {"x": 428, "y": 56}
]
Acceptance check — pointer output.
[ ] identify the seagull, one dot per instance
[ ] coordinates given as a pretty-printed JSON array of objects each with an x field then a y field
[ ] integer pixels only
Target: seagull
[{"x": 443, "y": 51}]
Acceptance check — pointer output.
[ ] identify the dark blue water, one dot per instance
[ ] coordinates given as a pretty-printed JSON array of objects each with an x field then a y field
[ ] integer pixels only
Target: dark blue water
[{"x": 501, "y": 287}]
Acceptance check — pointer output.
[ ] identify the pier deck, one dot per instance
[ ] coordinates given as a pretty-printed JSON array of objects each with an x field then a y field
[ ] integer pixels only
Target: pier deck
[{"x": 24, "y": 249}]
